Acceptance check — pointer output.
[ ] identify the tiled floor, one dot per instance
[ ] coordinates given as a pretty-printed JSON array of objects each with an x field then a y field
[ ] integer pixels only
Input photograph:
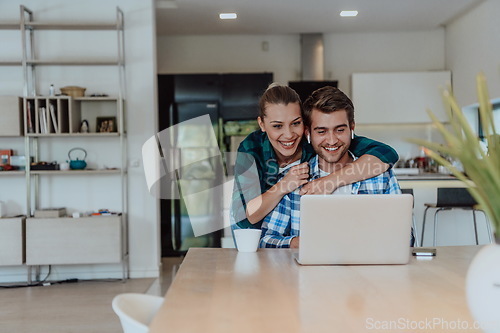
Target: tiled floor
[{"x": 76, "y": 307}]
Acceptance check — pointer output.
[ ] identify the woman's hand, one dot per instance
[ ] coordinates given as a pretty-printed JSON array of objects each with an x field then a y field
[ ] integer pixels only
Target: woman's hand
[
  {"x": 295, "y": 177},
  {"x": 259, "y": 207}
]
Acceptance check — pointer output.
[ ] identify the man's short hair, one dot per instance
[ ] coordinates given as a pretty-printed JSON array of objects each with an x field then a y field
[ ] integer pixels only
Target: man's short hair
[{"x": 327, "y": 99}]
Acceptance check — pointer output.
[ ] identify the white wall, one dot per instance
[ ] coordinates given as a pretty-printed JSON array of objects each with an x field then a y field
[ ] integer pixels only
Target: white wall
[
  {"x": 382, "y": 52},
  {"x": 141, "y": 110},
  {"x": 473, "y": 46},
  {"x": 230, "y": 54},
  {"x": 344, "y": 54}
]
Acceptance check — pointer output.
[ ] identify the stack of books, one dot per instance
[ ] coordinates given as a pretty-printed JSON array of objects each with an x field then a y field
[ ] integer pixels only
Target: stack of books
[{"x": 50, "y": 212}]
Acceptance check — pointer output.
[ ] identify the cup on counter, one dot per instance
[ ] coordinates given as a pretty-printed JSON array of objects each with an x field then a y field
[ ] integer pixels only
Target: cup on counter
[
  {"x": 247, "y": 240},
  {"x": 444, "y": 170}
]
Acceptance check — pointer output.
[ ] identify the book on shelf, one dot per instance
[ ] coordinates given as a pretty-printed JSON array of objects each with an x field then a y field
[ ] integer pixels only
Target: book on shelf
[
  {"x": 54, "y": 118},
  {"x": 50, "y": 212},
  {"x": 30, "y": 115},
  {"x": 43, "y": 120}
]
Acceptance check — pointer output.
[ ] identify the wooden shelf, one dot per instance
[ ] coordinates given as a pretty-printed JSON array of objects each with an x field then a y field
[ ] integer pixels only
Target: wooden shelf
[
  {"x": 96, "y": 99},
  {"x": 11, "y": 63},
  {"x": 60, "y": 172},
  {"x": 80, "y": 62},
  {"x": 59, "y": 26},
  {"x": 48, "y": 97},
  {"x": 75, "y": 172},
  {"x": 76, "y": 62},
  {"x": 69, "y": 113},
  {"x": 12, "y": 173},
  {"x": 10, "y": 26},
  {"x": 70, "y": 26},
  {"x": 58, "y": 135},
  {"x": 83, "y": 99}
]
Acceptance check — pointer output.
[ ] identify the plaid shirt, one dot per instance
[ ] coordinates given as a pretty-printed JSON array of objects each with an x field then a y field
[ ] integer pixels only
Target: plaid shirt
[
  {"x": 256, "y": 169},
  {"x": 282, "y": 224}
]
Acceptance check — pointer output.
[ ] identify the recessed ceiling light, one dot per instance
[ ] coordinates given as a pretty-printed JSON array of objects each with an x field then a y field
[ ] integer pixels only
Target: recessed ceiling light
[
  {"x": 228, "y": 16},
  {"x": 349, "y": 13}
]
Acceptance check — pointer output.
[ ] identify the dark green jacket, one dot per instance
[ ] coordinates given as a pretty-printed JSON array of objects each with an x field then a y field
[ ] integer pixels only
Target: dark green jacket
[{"x": 256, "y": 168}]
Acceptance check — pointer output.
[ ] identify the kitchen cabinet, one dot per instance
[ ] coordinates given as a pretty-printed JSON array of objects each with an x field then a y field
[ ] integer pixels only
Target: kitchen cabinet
[
  {"x": 11, "y": 116},
  {"x": 12, "y": 240},
  {"x": 241, "y": 93},
  {"x": 399, "y": 97},
  {"x": 103, "y": 234},
  {"x": 237, "y": 94},
  {"x": 53, "y": 124}
]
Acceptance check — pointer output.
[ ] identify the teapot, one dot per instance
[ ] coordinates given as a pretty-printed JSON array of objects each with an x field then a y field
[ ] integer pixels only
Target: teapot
[{"x": 77, "y": 164}]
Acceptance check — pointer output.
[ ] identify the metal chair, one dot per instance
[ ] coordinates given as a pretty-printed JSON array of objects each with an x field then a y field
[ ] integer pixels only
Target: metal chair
[
  {"x": 454, "y": 198},
  {"x": 136, "y": 311},
  {"x": 414, "y": 224}
]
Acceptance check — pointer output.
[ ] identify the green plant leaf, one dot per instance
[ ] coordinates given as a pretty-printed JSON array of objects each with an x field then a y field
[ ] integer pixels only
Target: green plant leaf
[{"x": 481, "y": 168}]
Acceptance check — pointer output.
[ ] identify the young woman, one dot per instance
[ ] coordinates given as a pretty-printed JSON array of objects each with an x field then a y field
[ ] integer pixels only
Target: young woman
[{"x": 279, "y": 151}]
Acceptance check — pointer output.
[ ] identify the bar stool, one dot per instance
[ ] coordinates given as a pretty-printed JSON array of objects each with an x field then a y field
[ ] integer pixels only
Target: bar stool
[
  {"x": 414, "y": 224},
  {"x": 454, "y": 198}
]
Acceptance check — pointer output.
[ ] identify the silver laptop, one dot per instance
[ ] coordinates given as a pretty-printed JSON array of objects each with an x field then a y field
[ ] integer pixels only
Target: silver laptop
[{"x": 355, "y": 229}]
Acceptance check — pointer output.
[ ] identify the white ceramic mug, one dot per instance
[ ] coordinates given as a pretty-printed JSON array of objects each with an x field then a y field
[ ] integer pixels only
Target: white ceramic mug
[
  {"x": 247, "y": 240},
  {"x": 64, "y": 166}
]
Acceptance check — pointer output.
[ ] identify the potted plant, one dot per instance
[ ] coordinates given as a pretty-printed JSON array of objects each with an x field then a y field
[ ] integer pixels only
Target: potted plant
[{"x": 481, "y": 173}]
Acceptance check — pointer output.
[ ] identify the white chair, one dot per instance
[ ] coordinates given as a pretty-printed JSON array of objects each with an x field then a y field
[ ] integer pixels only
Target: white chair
[{"x": 136, "y": 311}]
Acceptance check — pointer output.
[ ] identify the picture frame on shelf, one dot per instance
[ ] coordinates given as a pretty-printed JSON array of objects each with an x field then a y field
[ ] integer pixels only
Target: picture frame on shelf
[{"x": 106, "y": 125}]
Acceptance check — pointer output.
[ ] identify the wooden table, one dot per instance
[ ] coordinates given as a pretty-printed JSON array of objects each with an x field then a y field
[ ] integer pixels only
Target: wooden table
[{"x": 221, "y": 290}]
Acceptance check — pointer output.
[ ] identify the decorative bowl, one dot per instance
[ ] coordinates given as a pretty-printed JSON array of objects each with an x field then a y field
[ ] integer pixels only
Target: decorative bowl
[{"x": 73, "y": 91}]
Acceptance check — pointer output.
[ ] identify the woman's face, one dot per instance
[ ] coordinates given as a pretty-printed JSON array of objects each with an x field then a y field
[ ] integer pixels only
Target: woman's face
[{"x": 285, "y": 128}]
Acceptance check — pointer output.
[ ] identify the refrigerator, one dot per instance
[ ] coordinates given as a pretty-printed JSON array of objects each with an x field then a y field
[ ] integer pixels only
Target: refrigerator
[
  {"x": 193, "y": 219},
  {"x": 182, "y": 98}
]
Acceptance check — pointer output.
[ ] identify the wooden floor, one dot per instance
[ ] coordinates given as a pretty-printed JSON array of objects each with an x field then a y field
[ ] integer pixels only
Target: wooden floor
[{"x": 84, "y": 306}]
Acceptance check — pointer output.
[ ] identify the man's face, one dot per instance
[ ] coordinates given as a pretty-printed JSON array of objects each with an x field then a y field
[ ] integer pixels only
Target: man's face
[{"x": 330, "y": 137}]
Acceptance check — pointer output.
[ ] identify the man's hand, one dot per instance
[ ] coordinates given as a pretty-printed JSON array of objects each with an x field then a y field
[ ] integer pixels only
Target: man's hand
[
  {"x": 294, "y": 244},
  {"x": 295, "y": 177},
  {"x": 318, "y": 186}
]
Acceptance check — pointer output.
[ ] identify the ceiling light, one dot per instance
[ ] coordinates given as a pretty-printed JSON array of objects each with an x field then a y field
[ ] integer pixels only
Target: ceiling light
[
  {"x": 228, "y": 16},
  {"x": 349, "y": 13}
]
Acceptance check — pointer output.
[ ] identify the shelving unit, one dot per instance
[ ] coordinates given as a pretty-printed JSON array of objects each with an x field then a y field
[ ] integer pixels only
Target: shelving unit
[
  {"x": 49, "y": 119},
  {"x": 64, "y": 115}
]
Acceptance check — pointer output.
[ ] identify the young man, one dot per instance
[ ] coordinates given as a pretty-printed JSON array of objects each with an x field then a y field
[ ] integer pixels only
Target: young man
[{"x": 329, "y": 120}]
